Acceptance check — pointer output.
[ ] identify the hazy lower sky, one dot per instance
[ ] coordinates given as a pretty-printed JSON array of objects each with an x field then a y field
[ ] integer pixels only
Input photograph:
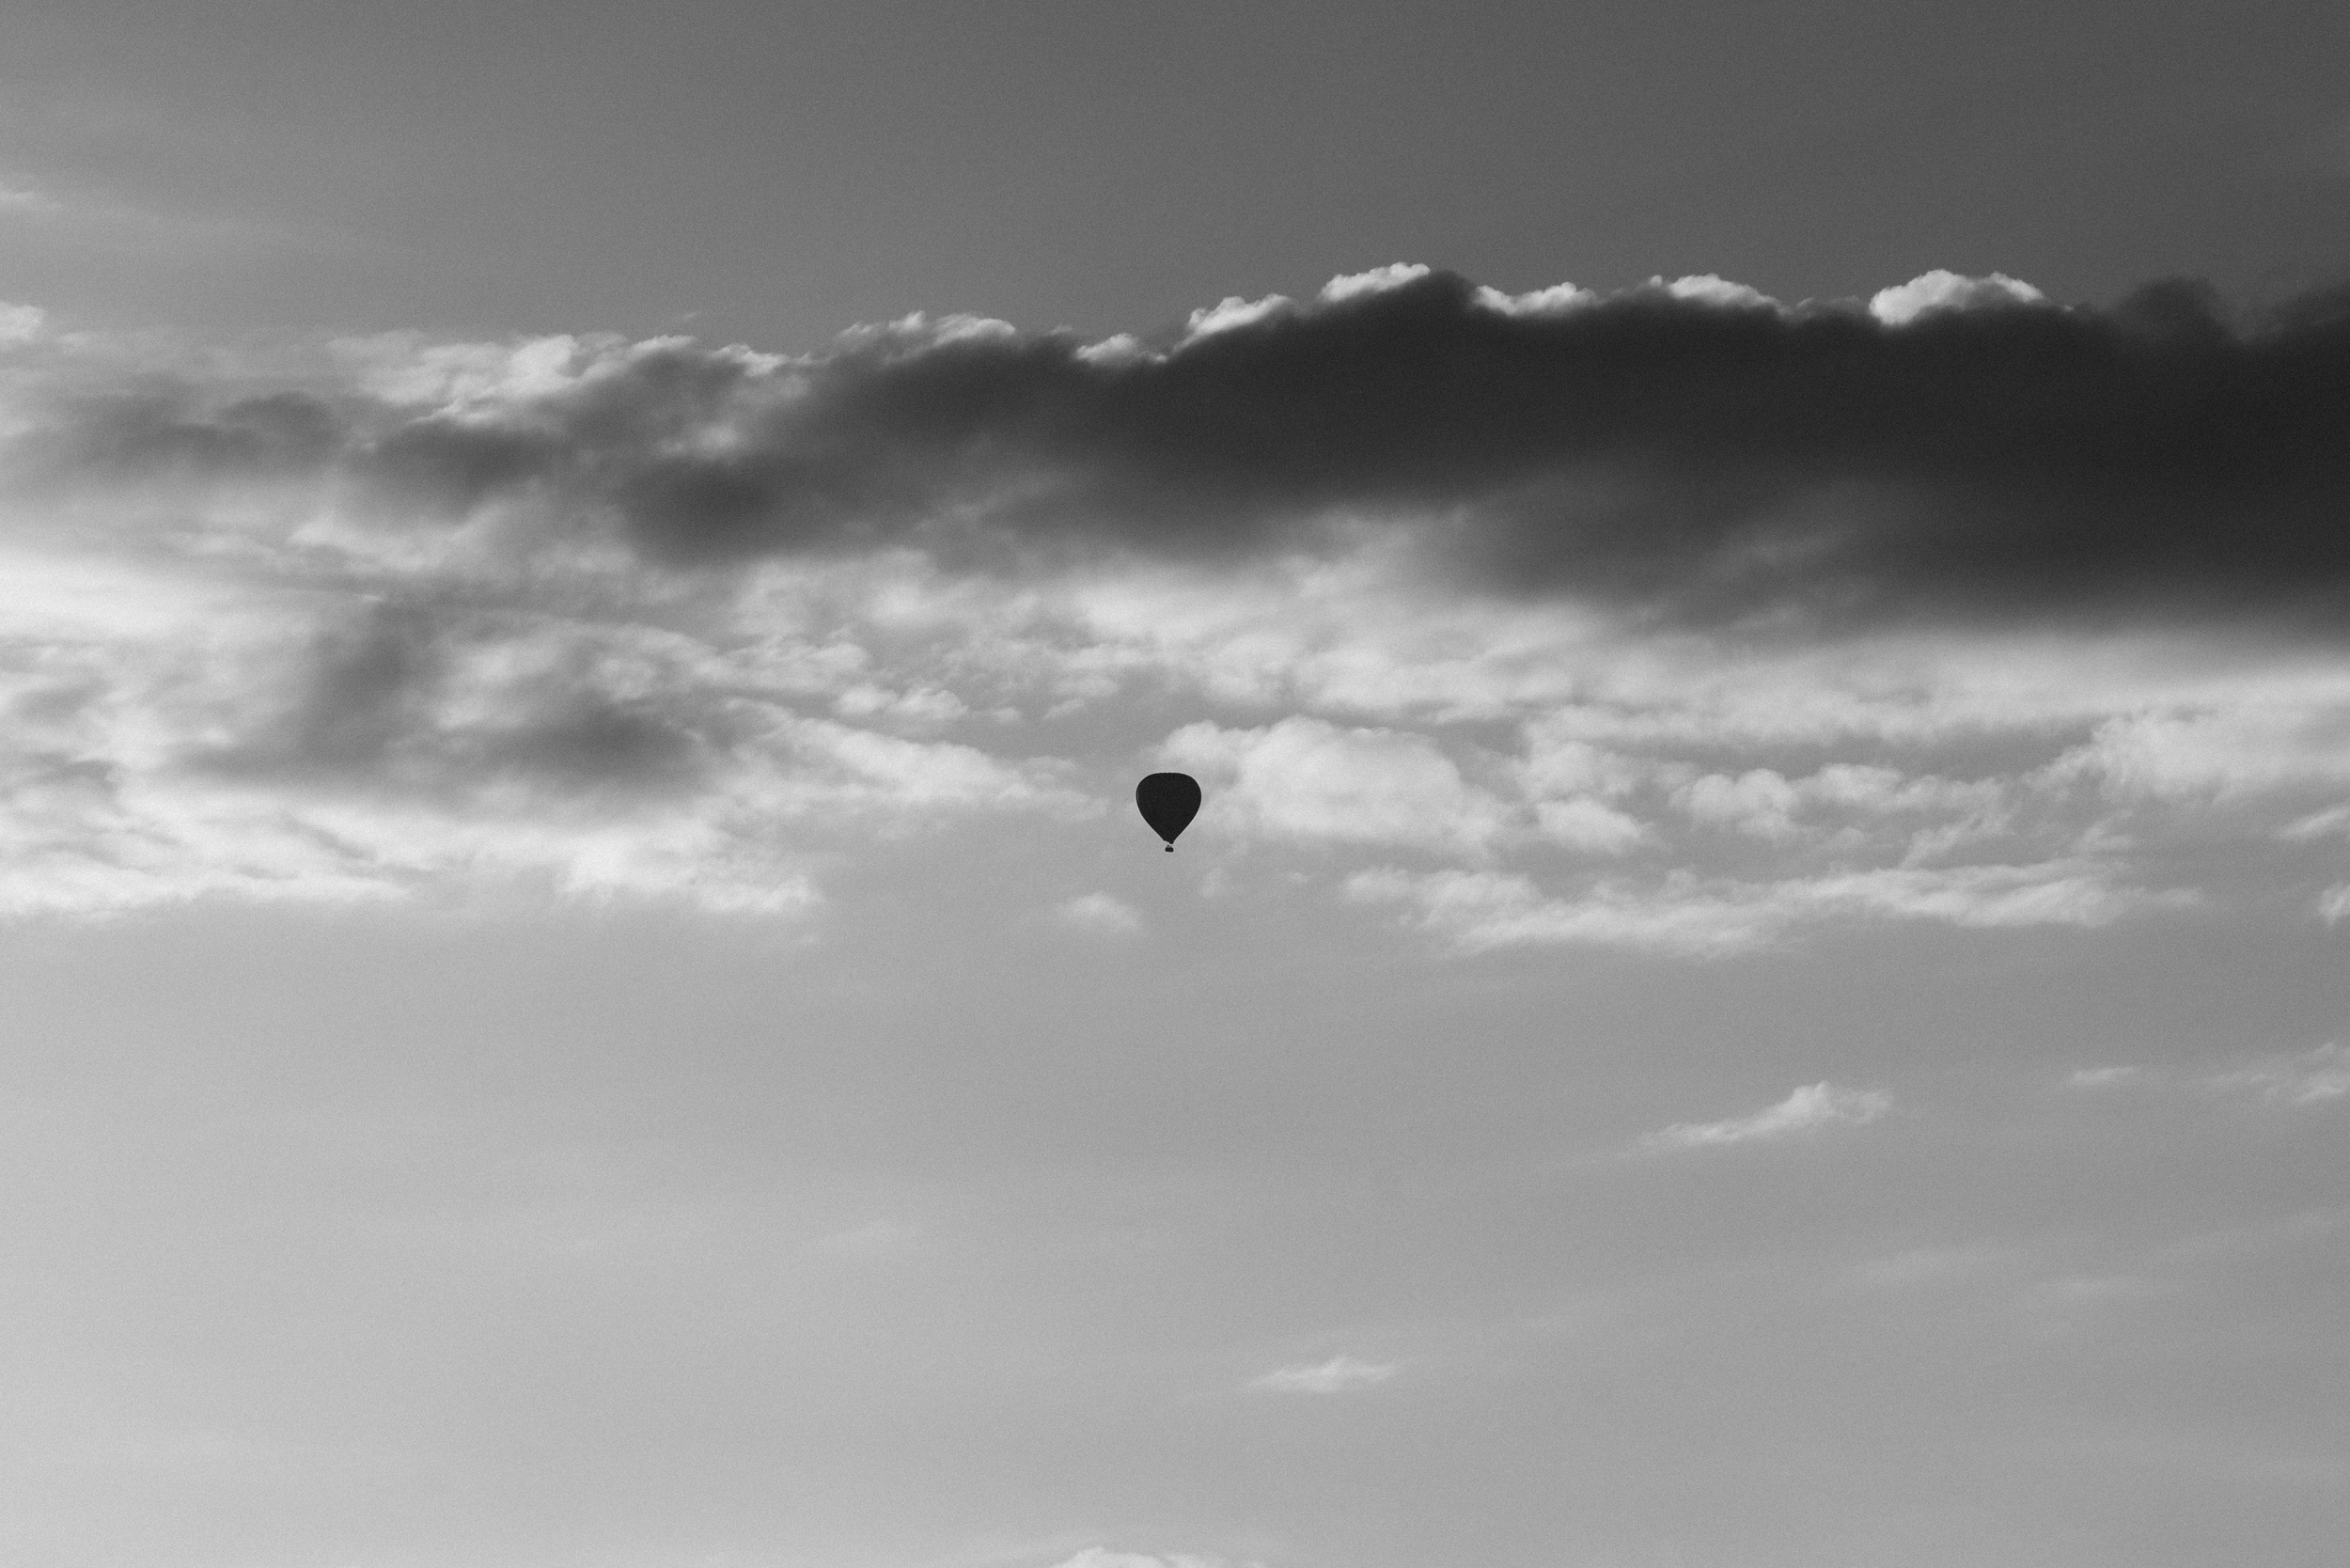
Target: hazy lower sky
[{"x": 1759, "y": 596}]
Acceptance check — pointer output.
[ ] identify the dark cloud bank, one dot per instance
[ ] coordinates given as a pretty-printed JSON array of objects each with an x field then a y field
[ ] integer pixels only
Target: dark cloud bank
[{"x": 1705, "y": 455}]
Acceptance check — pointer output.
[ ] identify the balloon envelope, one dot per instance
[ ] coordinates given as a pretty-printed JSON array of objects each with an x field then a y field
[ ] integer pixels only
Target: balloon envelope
[{"x": 1169, "y": 801}]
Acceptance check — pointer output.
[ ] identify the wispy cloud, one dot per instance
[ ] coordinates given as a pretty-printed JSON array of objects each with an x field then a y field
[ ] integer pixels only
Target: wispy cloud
[
  {"x": 26, "y": 201},
  {"x": 1921, "y": 1266},
  {"x": 2312, "y": 1077},
  {"x": 1808, "y": 1109},
  {"x": 1105, "y": 1557},
  {"x": 877, "y": 1238},
  {"x": 1339, "y": 1374},
  {"x": 1099, "y": 915},
  {"x": 1478, "y": 911},
  {"x": 108, "y": 221}
]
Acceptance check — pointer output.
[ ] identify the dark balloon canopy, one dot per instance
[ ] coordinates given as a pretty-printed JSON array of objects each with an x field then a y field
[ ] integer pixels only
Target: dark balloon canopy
[{"x": 1168, "y": 802}]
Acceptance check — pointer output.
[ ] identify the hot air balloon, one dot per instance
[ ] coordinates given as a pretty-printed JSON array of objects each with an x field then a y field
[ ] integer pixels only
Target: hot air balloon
[{"x": 1169, "y": 801}]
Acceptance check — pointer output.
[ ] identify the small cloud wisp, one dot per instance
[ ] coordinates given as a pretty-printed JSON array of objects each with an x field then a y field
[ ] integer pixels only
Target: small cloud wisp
[
  {"x": 1809, "y": 1109},
  {"x": 1340, "y": 1374}
]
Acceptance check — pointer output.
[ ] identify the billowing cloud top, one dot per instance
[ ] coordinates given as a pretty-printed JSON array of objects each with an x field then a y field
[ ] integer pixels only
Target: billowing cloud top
[{"x": 1677, "y": 618}]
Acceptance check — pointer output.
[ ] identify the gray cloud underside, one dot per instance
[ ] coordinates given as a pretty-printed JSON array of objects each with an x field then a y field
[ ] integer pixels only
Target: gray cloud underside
[{"x": 1707, "y": 455}]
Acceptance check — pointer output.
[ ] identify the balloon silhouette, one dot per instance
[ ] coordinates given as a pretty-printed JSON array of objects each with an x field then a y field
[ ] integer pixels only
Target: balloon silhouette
[{"x": 1169, "y": 801}]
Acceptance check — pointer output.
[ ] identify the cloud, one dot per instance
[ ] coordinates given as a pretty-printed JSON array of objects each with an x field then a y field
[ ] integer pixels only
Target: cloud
[
  {"x": 1808, "y": 1109},
  {"x": 2218, "y": 751},
  {"x": 1959, "y": 447},
  {"x": 1378, "y": 280},
  {"x": 1102, "y": 1557},
  {"x": 1947, "y": 290},
  {"x": 1099, "y": 915},
  {"x": 25, "y": 202},
  {"x": 2315, "y": 1078},
  {"x": 1765, "y": 803},
  {"x": 1680, "y": 914},
  {"x": 271, "y": 730},
  {"x": 1339, "y": 1374},
  {"x": 1591, "y": 825},
  {"x": 2334, "y": 904},
  {"x": 1921, "y": 1266},
  {"x": 1308, "y": 779},
  {"x": 398, "y": 620},
  {"x": 95, "y": 220}
]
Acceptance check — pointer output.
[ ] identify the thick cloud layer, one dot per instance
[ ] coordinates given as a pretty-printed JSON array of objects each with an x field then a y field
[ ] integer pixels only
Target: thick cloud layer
[
  {"x": 1958, "y": 448},
  {"x": 1679, "y": 621}
]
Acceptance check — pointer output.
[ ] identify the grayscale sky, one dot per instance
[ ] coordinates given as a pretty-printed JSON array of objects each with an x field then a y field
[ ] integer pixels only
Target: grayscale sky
[{"x": 1759, "y": 596}]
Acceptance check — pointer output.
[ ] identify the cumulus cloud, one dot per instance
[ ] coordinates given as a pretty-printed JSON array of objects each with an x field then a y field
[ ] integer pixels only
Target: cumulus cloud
[
  {"x": 1338, "y": 1375},
  {"x": 1808, "y": 1109},
  {"x": 1308, "y": 779},
  {"x": 2219, "y": 750},
  {"x": 1947, "y": 290},
  {"x": 1592, "y": 826}
]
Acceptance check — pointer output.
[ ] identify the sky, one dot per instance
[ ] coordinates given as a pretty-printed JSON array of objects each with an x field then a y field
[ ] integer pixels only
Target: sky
[{"x": 1760, "y": 597}]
